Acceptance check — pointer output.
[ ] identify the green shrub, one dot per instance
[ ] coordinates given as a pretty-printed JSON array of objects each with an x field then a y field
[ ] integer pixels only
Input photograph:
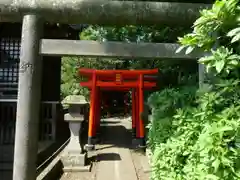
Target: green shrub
[
  {"x": 199, "y": 139},
  {"x": 164, "y": 105}
]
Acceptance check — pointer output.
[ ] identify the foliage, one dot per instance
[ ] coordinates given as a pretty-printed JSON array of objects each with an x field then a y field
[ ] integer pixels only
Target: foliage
[
  {"x": 194, "y": 136},
  {"x": 70, "y": 65},
  {"x": 198, "y": 139},
  {"x": 164, "y": 105},
  {"x": 211, "y": 33},
  {"x": 71, "y": 79}
]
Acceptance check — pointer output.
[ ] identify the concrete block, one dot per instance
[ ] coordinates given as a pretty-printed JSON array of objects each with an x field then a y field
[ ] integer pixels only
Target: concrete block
[
  {"x": 78, "y": 169},
  {"x": 74, "y": 159}
]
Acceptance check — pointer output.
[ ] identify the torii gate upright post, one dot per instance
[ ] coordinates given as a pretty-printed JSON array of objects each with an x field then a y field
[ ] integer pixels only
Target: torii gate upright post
[
  {"x": 98, "y": 112},
  {"x": 134, "y": 113},
  {"x": 92, "y": 114},
  {"x": 141, "y": 110},
  {"x": 28, "y": 104}
]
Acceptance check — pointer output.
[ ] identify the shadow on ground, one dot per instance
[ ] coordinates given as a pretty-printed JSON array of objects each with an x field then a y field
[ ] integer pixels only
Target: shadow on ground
[
  {"x": 108, "y": 157},
  {"x": 112, "y": 132}
]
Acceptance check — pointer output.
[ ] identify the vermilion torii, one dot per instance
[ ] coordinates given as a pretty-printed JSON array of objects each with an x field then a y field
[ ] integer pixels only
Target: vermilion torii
[{"x": 117, "y": 80}]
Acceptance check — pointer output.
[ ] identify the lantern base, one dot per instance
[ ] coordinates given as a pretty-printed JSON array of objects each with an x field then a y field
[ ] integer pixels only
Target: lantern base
[{"x": 90, "y": 146}]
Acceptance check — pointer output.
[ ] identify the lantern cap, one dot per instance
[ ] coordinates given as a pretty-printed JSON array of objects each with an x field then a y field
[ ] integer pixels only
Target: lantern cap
[{"x": 75, "y": 99}]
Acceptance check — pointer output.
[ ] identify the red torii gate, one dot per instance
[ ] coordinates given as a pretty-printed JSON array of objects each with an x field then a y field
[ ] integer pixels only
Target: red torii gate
[{"x": 117, "y": 80}]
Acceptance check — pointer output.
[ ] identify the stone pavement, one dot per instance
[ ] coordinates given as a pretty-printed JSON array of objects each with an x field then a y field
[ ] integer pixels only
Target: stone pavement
[
  {"x": 114, "y": 156},
  {"x": 114, "y": 159}
]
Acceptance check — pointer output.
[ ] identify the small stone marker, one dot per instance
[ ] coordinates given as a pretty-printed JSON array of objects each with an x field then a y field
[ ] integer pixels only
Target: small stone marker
[{"x": 73, "y": 157}]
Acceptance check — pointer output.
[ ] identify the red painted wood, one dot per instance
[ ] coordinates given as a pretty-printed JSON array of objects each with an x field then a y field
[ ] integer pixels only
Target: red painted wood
[
  {"x": 113, "y": 84},
  {"x": 91, "y": 124},
  {"x": 133, "y": 108},
  {"x": 118, "y": 80},
  {"x": 89, "y": 72},
  {"x": 124, "y": 78},
  {"x": 141, "y": 106}
]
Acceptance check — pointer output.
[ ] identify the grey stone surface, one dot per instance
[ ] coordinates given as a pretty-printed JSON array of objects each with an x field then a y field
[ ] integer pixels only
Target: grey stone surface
[
  {"x": 75, "y": 99},
  {"x": 103, "y": 12},
  {"x": 73, "y": 156},
  {"x": 112, "y": 49},
  {"x": 74, "y": 159},
  {"x": 77, "y": 169},
  {"x": 114, "y": 156},
  {"x": 74, "y": 117},
  {"x": 145, "y": 164},
  {"x": 28, "y": 104},
  {"x": 114, "y": 160}
]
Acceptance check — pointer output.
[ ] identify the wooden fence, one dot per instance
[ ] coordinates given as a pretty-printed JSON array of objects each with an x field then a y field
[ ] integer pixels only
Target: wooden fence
[{"x": 47, "y": 127}]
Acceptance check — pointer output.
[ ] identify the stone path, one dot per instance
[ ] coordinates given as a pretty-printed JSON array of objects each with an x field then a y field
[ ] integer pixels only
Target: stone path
[
  {"x": 115, "y": 161},
  {"x": 114, "y": 156}
]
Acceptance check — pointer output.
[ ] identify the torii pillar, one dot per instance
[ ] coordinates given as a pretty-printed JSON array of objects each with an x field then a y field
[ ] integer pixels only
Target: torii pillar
[{"x": 28, "y": 104}]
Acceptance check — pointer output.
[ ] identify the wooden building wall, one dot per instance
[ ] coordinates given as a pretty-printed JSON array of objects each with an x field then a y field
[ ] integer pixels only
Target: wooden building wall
[
  {"x": 52, "y": 65},
  {"x": 51, "y": 76}
]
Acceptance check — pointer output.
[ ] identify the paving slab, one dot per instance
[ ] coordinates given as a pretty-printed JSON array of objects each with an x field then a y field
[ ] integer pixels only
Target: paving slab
[
  {"x": 114, "y": 157},
  {"x": 115, "y": 164}
]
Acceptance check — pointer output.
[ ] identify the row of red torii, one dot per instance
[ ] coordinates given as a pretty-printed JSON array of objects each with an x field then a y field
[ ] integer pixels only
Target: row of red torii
[{"x": 118, "y": 80}]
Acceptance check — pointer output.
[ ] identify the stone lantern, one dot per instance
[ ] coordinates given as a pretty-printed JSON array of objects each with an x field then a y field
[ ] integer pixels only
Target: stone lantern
[{"x": 73, "y": 156}]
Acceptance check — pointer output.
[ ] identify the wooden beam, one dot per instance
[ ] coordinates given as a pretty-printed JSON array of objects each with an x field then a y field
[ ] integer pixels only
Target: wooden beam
[
  {"x": 50, "y": 47},
  {"x": 103, "y": 11}
]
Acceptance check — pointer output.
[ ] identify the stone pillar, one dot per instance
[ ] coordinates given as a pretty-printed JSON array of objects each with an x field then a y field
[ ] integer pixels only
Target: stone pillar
[
  {"x": 28, "y": 104},
  {"x": 73, "y": 157}
]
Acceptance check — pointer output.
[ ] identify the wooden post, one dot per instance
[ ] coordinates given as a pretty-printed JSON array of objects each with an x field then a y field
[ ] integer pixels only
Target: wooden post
[
  {"x": 137, "y": 113},
  {"x": 54, "y": 120},
  {"x": 91, "y": 130},
  {"x": 134, "y": 113},
  {"x": 98, "y": 112},
  {"x": 141, "y": 111}
]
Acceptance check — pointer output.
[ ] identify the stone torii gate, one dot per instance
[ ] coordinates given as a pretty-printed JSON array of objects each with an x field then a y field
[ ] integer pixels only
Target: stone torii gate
[{"x": 35, "y": 12}]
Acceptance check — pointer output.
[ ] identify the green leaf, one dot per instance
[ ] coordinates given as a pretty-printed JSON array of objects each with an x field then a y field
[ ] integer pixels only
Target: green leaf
[
  {"x": 189, "y": 49},
  {"x": 206, "y": 59},
  {"x": 233, "y": 32},
  {"x": 235, "y": 38},
  {"x": 219, "y": 65},
  {"x": 225, "y": 128},
  {"x": 180, "y": 49},
  {"x": 216, "y": 164},
  {"x": 211, "y": 177}
]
